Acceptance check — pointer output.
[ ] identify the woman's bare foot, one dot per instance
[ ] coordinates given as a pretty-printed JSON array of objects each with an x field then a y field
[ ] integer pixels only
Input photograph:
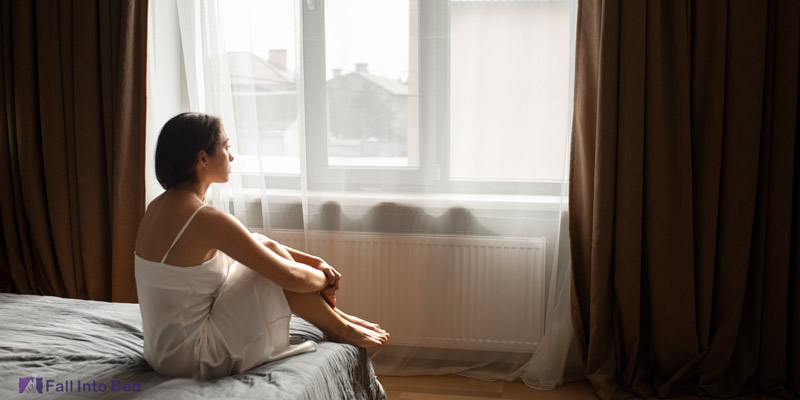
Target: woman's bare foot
[
  {"x": 360, "y": 336},
  {"x": 358, "y": 321}
]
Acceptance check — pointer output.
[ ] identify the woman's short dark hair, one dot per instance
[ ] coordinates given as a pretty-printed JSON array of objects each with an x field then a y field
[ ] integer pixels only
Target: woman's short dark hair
[{"x": 179, "y": 142}]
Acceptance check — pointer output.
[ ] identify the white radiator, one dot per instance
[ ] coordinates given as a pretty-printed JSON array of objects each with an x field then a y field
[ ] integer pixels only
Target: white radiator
[{"x": 438, "y": 291}]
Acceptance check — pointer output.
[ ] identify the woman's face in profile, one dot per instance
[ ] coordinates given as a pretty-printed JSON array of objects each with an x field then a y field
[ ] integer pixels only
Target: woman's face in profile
[{"x": 219, "y": 165}]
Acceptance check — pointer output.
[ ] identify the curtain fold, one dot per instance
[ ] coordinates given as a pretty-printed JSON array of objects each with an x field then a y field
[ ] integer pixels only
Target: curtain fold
[
  {"x": 73, "y": 101},
  {"x": 684, "y": 197}
]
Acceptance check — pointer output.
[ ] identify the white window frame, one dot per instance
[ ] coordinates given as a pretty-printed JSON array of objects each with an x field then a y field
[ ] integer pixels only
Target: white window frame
[{"x": 323, "y": 176}]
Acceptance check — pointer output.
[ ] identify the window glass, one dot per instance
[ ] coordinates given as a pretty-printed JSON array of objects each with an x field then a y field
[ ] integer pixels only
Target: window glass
[
  {"x": 371, "y": 58},
  {"x": 509, "y": 89},
  {"x": 260, "y": 38}
]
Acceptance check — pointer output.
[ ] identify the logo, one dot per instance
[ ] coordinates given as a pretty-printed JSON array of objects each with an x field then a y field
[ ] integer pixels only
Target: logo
[
  {"x": 39, "y": 385},
  {"x": 30, "y": 385}
]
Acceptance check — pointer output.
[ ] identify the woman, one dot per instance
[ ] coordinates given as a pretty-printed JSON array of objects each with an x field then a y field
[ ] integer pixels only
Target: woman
[{"x": 215, "y": 299}]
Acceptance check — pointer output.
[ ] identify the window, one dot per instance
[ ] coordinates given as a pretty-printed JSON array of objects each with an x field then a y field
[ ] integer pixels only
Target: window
[{"x": 436, "y": 95}]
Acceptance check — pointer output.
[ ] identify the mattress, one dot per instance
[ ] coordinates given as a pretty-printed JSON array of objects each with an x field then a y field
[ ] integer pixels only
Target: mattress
[{"x": 51, "y": 347}]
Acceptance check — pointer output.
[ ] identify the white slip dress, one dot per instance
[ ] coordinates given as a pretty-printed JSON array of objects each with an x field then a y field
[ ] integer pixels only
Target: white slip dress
[{"x": 211, "y": 320}]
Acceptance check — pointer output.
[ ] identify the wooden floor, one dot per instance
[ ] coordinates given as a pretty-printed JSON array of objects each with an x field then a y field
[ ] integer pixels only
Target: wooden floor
[{"x": 453, "y": 387}]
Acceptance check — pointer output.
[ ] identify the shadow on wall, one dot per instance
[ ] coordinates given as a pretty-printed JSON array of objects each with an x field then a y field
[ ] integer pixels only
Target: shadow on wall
[{"x": 395, "y": 218}]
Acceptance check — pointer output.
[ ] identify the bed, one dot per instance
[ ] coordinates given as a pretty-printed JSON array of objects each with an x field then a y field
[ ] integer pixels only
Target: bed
[{"x": 69, "y": 349}]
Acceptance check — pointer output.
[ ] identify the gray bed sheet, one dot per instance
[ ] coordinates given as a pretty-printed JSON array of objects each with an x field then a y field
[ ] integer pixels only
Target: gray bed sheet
[{"x": 82, "y": 347}]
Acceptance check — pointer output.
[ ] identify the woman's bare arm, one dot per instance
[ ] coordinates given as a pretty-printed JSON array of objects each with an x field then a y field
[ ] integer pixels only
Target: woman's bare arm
[
  {"x": 304, "y": 258},
  {"x": 227, "y": 234},
  {"x": 299, "y": 256},
  {"x": 296, "y": 255},
  {"x": 329, "y": 293}
]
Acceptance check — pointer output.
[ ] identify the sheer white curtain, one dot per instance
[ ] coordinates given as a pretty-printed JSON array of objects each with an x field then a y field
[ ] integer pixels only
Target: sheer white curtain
[{"x": 360, "y": 127}]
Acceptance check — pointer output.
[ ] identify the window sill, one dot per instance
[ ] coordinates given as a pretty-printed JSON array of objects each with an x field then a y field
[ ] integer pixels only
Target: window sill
[{"x": 427, "y": 200}]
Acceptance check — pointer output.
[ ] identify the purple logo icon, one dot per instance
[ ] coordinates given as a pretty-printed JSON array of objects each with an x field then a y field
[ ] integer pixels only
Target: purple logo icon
[{"x": 28, "y": 385}]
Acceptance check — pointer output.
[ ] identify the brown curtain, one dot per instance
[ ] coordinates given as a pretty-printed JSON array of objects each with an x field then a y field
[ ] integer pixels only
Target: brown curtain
[
  {"x": 72, "y": 111},
  {"x": 685, "y": 197}
]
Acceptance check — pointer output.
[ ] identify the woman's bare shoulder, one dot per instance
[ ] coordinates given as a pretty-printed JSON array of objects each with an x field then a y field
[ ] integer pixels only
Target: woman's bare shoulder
[
  {"x": 215, "y": 228},
  {"x": 216, "y": 222},
  {"x": 213, "y": 215}
]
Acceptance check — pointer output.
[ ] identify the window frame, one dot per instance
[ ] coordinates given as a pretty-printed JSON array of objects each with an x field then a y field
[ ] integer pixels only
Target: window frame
[{"x": 325, "y": 177}]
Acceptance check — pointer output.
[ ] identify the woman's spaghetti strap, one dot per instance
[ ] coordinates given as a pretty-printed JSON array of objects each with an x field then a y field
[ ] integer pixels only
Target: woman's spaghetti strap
[{"x": 181, "y": 233}]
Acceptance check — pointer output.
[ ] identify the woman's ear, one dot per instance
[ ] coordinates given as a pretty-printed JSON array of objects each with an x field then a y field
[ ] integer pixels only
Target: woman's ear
[{"x": 202, "y": 159}]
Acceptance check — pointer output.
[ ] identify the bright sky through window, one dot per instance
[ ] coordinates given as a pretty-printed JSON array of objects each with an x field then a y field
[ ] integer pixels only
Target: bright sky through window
[{"x": 259, "y": 26}]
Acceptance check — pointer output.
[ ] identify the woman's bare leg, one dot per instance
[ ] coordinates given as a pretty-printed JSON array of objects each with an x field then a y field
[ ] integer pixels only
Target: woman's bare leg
[
  {"x": 336, "y": 324},
  {"x": 312, "y": 308},
  {"x": 359, "y": 321}
]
